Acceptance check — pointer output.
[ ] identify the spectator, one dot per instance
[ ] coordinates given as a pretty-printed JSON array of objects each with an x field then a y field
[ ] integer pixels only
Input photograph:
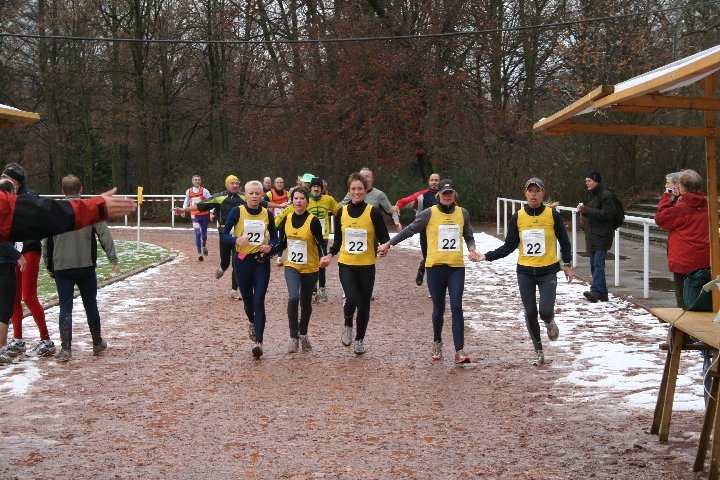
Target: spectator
[
  {"x": 598, "y": 213},
  {"x": 71, "y": 259}
]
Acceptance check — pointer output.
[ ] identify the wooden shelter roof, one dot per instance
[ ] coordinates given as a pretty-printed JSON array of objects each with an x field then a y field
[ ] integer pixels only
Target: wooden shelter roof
[{"x": 10, "y": 115}]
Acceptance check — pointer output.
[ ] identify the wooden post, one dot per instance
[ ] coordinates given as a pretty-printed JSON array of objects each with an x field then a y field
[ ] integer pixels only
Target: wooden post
[{"x": 709, "y": 83}]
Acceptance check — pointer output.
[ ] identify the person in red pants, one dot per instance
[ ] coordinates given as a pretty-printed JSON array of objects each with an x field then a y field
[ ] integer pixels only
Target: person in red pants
[{"x": 27, "y": 280}]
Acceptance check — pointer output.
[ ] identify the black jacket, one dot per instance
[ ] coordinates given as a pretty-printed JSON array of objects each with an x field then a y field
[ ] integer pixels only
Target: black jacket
[{"x": 598, "y": 221}]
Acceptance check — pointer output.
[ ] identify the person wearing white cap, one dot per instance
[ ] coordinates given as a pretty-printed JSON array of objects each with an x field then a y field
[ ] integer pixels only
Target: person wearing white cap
[
  {"x": 446, "y": 225},
  {"x": 536, "y": 229}
]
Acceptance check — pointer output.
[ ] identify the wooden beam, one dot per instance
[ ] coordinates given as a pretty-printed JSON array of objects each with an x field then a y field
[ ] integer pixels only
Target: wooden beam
[
  {"x": 12, "y": 115},
  {"x": 709, "y": 84},
  {"x": 574, "y": 108},
  {"x": 671, "y": 101},
  {"x": 633, "y": 109},
  {"x": 568, "y": 128}
]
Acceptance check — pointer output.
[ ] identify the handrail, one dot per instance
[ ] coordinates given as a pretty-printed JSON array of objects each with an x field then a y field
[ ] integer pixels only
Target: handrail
[{"x": 502, "y": 203}]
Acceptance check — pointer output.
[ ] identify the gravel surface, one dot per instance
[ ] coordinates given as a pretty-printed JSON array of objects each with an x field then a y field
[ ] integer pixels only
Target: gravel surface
[{"x": 178, "y": 394}]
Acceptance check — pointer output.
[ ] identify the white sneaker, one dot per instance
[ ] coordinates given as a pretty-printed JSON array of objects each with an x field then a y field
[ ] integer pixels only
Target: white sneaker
[{"x": 235, "y": 294}]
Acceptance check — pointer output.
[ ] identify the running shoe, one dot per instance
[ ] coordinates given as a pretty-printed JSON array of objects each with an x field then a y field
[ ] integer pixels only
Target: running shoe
[
  {"x": 219, "y": 273},
  {"x": 294, "y": 345},
  {"x": 359, "y": 347},
  {"x": 437, "y": 351},
  {"x": 305, "y": 343},
  {"x": 200, "y": 258},
  {"x": 461, "y": 357},
  {"x": 552, "y": 330},
  {"x": 257, "y": 350},
  {"x": 205, "y": 251},
  {"x": 63, "y": 356},
  {"x": 16, "y": 347},
  {"x": 539, "y": 358},
  {"x": 315, "y": 297},
  {"x": 251, "y": 331},
  {"x": 235, "y": 294},
  {"x": 99, "y": 348},
  {"x": 322, "y": 294},
  {"x": 419, "y": 277},
  {"x": 279, "y": 262},
  {"x": 346, "y": 338},
  {"x": 44, "y": 348}
]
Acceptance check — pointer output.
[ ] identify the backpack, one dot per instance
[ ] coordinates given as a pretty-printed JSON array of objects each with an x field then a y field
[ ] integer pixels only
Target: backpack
[{"x": 619, "y": 217}]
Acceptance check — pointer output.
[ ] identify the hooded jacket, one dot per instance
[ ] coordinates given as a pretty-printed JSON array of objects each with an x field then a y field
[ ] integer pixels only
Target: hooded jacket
[
  {"x": 598, "y": 221},
  {"x": 688, "y": 245}
]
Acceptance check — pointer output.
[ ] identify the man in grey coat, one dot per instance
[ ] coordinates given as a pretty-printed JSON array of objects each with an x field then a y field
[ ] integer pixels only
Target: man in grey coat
[
  {"x": 71, "y": 259},
  {"x": 376, "y": 198},
  {"x": 598, "y": 213}
]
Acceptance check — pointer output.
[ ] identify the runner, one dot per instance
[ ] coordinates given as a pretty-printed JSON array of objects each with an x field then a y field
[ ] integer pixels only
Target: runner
[
  {"x": 539, "y": 228},
  {"x": 322, "y": 206},
  {"x": 358, "y": 226},
  {"x": 421, "y": 200},
  {"x": 376, "y": 198},
  {"x": 301, "y": 234},
  {"x": 251, "y": 230},
  {"x": 196, "y": 194},
  {"x": 267, "y": 184},
  {"x": 27, "y": 280},
  {"x": 446, "y": 224},
  {"x": 221, "y": 203},
  {"x": 278, "y": 195}
]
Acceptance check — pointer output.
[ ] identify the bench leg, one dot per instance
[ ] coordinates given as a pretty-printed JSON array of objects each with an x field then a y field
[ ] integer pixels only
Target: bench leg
[
  {"x": 709, "y": 422},
  {"x": 655, "y": 429},
  {"x": 675, "y": 351}
]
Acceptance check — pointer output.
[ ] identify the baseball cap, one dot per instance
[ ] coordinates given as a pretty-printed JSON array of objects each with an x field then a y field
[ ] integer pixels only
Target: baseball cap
[
  {"x": 307, "y": 178},
  {"x": 446, "y": 185},
  {"x": 534, "y": 181}
]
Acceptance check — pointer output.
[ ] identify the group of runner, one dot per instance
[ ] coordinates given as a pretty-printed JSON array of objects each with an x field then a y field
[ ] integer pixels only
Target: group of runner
[{"x": 267, "y": 220}]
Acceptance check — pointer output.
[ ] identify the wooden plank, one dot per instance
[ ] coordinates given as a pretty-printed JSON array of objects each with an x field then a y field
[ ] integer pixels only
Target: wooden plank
[
  {"x": 709, "y": 83},
  {"x": 621, "y": 108},
  {"x": 567, "y": 128},
  {"x": 662, "y": 394},
  {"x": 12, "y": 115},
  {"x": 574, "y": 108},
  {"x": 697, "y": 324},
  {"x": 672, "y": 101}
]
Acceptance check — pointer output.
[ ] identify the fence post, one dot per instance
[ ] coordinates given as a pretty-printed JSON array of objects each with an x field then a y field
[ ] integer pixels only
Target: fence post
[
  {"x": 646, "y": 260},
  {"x": 617, "y": 257},
  {"x": 497, "y": 216}
]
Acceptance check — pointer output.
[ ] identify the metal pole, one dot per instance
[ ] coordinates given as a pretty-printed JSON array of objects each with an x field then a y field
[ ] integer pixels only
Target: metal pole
[
  {"x": 497, "y": 216},
  {"x": 172, "y": 214},
  {"x": 574, "y": 237},
  {"x": 617, "y": 257},
  {"x": 137, "y": 246},
  {"x": 646, "y": 260}
]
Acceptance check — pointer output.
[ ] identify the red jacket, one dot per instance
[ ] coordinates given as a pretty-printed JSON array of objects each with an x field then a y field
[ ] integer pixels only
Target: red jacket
[
  {"x": 26, "y": 217},
  {"x": 688, "y": 246}
]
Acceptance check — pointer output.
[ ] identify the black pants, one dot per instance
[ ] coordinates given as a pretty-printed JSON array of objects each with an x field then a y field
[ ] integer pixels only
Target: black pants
[
  {"x": 546, "y": 285},
  {"x": 225, "y": 254},
  {"x": 300, "y": 289},
  {"x": 423, "y": 249},
  {"x": 322, "y": 270},
  {"x": 357, "y": 283},
  {"x": 8, "y": 287}
]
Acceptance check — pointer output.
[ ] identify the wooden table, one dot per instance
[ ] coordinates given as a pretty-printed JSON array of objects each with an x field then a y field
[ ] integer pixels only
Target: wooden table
[{"x": 701, "y": 326}]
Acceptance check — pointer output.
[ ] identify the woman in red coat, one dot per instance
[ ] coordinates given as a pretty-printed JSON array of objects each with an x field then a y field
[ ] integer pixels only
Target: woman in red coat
[{"x": 684, "y": 214}]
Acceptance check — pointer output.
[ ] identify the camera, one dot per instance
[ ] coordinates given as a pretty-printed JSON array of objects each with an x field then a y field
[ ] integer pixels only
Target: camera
[{"x": 669, "y": 190}]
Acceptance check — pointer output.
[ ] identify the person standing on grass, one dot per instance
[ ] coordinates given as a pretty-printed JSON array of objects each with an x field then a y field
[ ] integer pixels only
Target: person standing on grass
[
  {"x": 536, "y": 229},
  {"x": 358, "y": 228},
  {"x": 446, "y": 225},
  {"x": 200, "y": 220},
  {"x": 251, "y": 230},
  {"x": 71, "y": 259},
  {"x": 27, "y": 280},
  {"x": 301, "y": 234},
  {"x": 10, "y": 257}
]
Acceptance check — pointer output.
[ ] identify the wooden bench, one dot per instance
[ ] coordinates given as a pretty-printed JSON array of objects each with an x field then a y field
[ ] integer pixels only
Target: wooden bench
[{"x": 699, "y": 325}]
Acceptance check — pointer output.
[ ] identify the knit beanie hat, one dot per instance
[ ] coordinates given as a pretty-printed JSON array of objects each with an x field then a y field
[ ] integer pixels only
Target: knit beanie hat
[
  {"x": 15, "y": 171},
  {"x": 594, "y": 176}
]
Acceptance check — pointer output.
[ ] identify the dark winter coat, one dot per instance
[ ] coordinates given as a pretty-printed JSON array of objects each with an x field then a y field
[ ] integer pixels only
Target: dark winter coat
[
  {"x": 688, "y": 245},
  {"x": 598, "y": 220}
]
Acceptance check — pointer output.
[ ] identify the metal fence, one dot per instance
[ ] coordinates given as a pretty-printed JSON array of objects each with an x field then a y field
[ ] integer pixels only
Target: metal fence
[{"x": 505, "y": 204}]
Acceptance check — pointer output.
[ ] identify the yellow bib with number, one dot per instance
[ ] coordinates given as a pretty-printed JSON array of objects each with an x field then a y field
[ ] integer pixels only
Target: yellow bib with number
[
  {"x": 302, "y": 249},
  {"x": 444, "y": 238},
  {"x": 358, "y": 247},
  {"x": 255, "y": 227},
  {"x": 538, "y": 244}
]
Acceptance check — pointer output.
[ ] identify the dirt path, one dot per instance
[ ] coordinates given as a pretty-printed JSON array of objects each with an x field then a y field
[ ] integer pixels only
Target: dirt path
[{"x": 178, "y": 395}]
